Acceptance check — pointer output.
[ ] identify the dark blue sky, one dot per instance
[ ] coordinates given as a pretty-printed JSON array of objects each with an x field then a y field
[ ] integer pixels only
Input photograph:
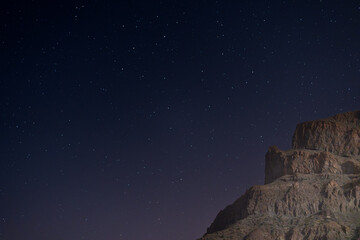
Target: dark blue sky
[{"x": 142, "y": 119}]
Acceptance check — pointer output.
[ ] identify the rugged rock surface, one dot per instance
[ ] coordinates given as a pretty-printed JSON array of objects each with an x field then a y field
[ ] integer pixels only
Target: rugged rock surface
[
  {"x": 295, "y": 161},
  {"x": 339, "y": 134},
  {"x": 311, "y": 191}
]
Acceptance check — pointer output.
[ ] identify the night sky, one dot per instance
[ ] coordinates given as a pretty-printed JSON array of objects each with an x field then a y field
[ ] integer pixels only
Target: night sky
[{"x": 141, "y": 120}]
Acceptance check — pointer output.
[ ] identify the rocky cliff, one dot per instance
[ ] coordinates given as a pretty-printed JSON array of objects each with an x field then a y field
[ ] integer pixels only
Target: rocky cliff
[{"x": 311, "y": 191}]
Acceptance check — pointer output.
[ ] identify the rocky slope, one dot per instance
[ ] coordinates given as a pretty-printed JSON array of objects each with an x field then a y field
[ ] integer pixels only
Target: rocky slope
[{"x": 311, "y": 191}]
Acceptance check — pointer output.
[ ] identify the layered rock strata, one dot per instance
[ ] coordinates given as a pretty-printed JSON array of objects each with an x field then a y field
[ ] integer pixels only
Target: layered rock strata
[{"x": 311, "y": 191}]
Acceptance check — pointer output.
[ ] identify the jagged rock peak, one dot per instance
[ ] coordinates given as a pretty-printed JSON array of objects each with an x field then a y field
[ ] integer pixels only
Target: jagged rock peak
[{"x": 339, "y": 134}]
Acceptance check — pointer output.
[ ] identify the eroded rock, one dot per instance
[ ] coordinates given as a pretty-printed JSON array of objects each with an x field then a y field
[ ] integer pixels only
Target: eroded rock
[
  {"x": 339, "y": 134},
  {"x": 311, "y": 191}
]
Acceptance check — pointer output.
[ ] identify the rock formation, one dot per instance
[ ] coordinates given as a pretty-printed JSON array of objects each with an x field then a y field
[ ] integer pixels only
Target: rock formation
[{"x": 311, "y": 191}]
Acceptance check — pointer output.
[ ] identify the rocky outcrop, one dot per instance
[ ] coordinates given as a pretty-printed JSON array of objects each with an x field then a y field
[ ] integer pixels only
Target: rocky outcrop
[
  {"x": 296, "y": 161},
  {"x": 339, "y": 134},
  {"x": 311, "y": 191}
]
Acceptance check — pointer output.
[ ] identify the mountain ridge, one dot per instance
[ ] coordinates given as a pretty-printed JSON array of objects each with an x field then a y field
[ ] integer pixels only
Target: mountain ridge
[{"x": 311, "y": 191}]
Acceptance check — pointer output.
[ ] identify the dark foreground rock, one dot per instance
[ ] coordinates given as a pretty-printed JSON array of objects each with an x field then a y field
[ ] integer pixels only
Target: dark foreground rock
[{"x": 311, "y": 191}]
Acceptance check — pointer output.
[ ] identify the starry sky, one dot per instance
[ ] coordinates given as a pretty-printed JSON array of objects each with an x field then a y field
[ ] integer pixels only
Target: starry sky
[{"x": 142, "y": 119}]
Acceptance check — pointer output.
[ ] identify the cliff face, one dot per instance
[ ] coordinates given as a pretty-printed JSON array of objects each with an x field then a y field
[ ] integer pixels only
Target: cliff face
[
  {"x": 311, "y": 191},
  {"x": 295, "y": 161},
  {"x": 339, "y": 134}
]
